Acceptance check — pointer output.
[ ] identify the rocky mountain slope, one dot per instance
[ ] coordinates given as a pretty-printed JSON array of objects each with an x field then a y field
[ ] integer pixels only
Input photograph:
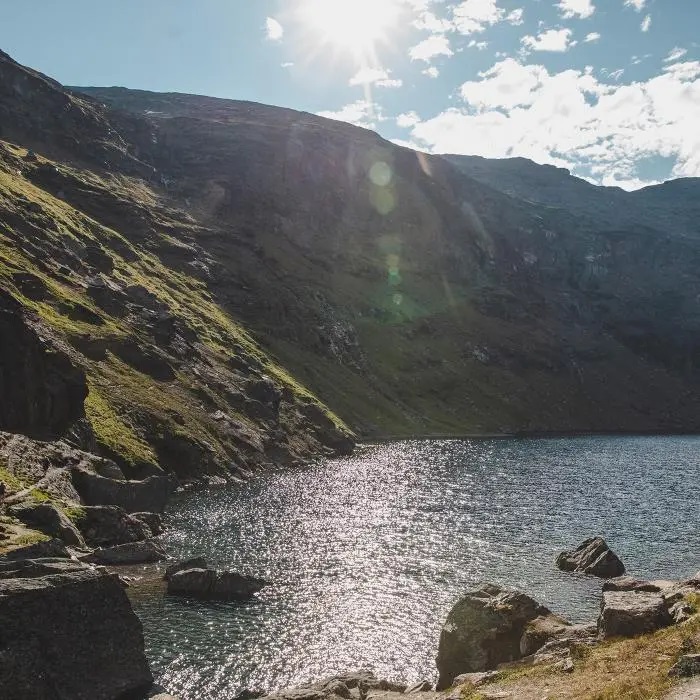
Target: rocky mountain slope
[{"x": 183, "y": 276}]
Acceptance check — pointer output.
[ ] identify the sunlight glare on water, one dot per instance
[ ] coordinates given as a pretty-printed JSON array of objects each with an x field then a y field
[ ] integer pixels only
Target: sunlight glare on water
[{"x": 368, "y": 553}]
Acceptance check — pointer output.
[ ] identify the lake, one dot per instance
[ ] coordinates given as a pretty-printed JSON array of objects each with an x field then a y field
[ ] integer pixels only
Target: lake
[{"x": 367, "y": 554}]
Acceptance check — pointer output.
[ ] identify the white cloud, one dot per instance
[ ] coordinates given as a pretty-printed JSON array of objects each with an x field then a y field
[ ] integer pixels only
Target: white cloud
[
  {"x": 593, "y": 36},
  {"x": 287, "y": 64},
  {"x": 427, "y": 21},
  {"x": 637, "y": 4},
  {"x": 361, "y": 113},
  {"x": 407, "y": 120},
  {"x": 576, "y": 8},
  {"x": 273, "y": 29},
  {"x": 675, "y": 54},
  {"x": 516, "y": 16},
  {"x": 617, "y": 74},
  {"x": 481, "y": 45},
  {"x": 431, "y": 72},
  {"x": 549, "y": 40},
  {"x": 572, "y": 119},
  {"x": 436, "y": 45},
  {"x": 471, "y": 16},
  {"x": 375, "y": 76},
  {"x": 646, "y": 23}
]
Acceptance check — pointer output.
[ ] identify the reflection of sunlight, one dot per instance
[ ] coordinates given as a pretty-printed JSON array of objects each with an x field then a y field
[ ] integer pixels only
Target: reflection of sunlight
[{"x": 357, "y": 25}]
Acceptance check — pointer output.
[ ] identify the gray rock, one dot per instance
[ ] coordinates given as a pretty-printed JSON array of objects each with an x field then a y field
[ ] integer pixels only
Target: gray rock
[
  {"x": 34, "y": 568},
  {"x": 629, "y": 613},
  {"x": 420, "y": 687},
  {"x": 568, "y": 665},
  {"x": 50, "y": 548},
  {"x": 213, "y": 585},
  {"x": 194, "y": 563},
  {"x": 72, "y": 635},
  {"x": 541, "y": 630},
  {"x": 149, "y": 495},
  {"x": 681, "y": 611},
  {"x": 593, "y": 557},
  {"x": 476, "y": 679},
  {"x": 154, "y": 521},
  {"x": 629, "y": 583},
  {"x": 688, "y": 665},
  {"x": 49, "y": 520},
  {"x": 146, "y": 552},
  {"x": 337, "y": 687},
  {"x": 111, "y": 525},
  {"x": 483, "y": 630}
]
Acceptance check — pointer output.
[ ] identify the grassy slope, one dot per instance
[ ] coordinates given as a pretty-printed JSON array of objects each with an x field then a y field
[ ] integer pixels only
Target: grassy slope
[{"x": 125, "y": 407}]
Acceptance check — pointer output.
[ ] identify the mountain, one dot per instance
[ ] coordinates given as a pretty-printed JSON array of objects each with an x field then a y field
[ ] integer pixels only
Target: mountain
[{"x": 233, "y": 284}]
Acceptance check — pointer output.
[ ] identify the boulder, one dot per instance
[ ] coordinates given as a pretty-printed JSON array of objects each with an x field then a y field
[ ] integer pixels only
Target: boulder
[
  {"x": 210, "y": 584},
  {"x": 541, "y": 630},
  {"x": 54, "y": 549},
  {"x": 629, "y": 583},
  {"x": 69, "y": 634},
  {"x": 148, "y": 495},
  {"x": 629, "y": 613},
  {"x": 49, "y": 520},
  {"x": 194, "y": 563},
  {"x": 111, "y": 525},
  {"x": 687, "y": 665},
  {"x": 154, "y": 521},
  {"x": 124, "y": 554},
  {"x": 593, "y": 557},
  {"x": 483, "y": 630}
]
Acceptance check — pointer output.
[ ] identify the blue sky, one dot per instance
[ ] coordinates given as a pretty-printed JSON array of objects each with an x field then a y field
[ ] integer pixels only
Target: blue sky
[{"x": 607, "y": 88}]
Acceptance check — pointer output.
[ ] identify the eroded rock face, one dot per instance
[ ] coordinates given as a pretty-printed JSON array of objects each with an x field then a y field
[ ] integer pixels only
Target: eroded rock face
[
  {"x": 67, "y": 630},
  {"x": 42, "y": 391},
  {"x": 594, "y": 557},
  {"x": 484, "y": 629}
]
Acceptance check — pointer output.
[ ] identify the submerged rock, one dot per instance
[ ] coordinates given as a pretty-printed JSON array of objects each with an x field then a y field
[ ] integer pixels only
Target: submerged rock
[
  {"x": 213, "y": 585},
  {"x": 593, "y": 557},
  {"x": 67, "y": 630},
  {"x": 484, "y": 629}
]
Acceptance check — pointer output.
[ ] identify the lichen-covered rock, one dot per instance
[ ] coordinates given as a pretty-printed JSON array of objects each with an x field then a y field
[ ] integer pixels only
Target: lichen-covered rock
[
  {"x": 70, "y": 634},
  {"x": 629, "y": 613},
  {"x": 47, "y": 518},
  {"x": 214, "y": 585},
  {"x": 593, "y": 557},
  {"x": 483, "y": 630}
]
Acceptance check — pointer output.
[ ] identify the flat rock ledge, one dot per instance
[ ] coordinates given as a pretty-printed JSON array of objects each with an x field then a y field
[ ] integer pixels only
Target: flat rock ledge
[
  {"x": 356, "y": 685},
  {"x": 592, "y": 557},
  {"x": 69, "y": 626}
]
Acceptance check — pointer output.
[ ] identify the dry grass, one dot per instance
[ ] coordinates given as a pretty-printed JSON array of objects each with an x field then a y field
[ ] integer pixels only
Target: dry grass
[{"x": 628, "y": 669}]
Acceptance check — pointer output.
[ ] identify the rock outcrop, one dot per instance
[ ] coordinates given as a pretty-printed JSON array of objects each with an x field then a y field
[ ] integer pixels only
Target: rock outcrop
[
  {"x": 68, "y": 630},
  {"x": 629, "y": 613},
  {"x": 210, "y": 584},
  {"x": 593, "y": 557},
  {"x": 110, "y": 525},
  {"x": 485, "y": 628}
]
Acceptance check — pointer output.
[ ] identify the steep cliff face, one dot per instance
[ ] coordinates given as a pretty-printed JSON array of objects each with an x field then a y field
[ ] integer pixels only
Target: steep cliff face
[
  {"x": 424, "y": 294},
  {"x": 196, "y": 254},
  {"x": 110, "y": 336}
]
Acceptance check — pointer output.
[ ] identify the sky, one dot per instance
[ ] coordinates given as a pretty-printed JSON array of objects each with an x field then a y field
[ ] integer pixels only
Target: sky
[{"x": 609, "y": 89}]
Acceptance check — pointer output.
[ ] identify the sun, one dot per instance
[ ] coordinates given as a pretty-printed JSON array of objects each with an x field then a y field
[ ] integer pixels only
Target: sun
[{"x": 355, "y": 25}]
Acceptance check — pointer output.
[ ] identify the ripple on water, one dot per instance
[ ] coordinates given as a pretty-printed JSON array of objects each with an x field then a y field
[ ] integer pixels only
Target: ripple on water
[{"x": 368, "y": 553}]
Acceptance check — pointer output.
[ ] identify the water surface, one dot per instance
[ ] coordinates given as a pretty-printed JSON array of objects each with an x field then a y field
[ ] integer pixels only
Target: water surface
[{"x": 368, "y": 553}]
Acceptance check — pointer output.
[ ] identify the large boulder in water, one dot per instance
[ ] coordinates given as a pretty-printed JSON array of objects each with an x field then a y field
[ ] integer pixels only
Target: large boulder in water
[
  {"x": 594, "y": 557},
  {"x": 484, "y": 629},
  {"x": 68, "y": 630},
  {"x": 213, "y": 585}
]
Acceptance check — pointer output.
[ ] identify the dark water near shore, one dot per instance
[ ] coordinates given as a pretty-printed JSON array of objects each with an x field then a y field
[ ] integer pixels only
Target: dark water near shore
[{"x": 368, "y": 553}]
